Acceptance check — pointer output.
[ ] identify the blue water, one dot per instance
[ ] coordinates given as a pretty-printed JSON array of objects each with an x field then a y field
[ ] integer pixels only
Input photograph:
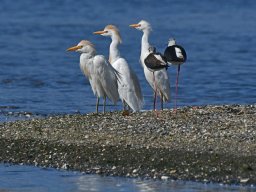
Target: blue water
[
  {"x": 38, "y": 77},
  {"x": 37, "y": 74},
  {"x": 24, "y": 178}
]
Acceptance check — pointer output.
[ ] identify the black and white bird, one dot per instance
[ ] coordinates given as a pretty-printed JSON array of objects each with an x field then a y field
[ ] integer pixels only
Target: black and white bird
[
  {"x": 176, "y": 55},
  {"x": 155, "y": 61}
]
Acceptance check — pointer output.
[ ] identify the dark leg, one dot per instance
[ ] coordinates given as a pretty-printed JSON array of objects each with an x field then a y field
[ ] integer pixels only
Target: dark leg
[
  {"x": 104, "y": 105},
  {"x": 97, "y": 104},
  {"x": 162, "y": 102},
  {"x": 124, "y": 105}
]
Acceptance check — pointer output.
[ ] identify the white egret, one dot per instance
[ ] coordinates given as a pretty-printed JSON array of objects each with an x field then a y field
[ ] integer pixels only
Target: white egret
[
  {"x": 128, "y": 85},
  {"x": 176, "y": 55},
  {"x": 158, "y": 80},
  {"x": 102, "y": 76}
]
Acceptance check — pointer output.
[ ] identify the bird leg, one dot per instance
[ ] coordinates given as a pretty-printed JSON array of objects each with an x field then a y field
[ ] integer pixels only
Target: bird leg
[
  {"x": 126, "y": 109},
  {"x": 176, "y": 92},
  {"x": 97, "y": 104},
  {"x": 104, "y": 104},
  {"x": 155, "y": 91},
  {"x": 124, "y": 105},
  {"x": 162, "y": 102}
]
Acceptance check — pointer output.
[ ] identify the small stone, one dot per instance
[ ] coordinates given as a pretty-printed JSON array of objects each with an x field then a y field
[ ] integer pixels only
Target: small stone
[
  {"x": 114, "y": 167},
  {"x": 86, "y": 136},
  {"x": 244, "y": 180},
  {"x": 164, "y": 177},
  {"x": 205, "y": 180},
  {"x": 28, "y": 115},
  {"x": 64, "y": 166}
]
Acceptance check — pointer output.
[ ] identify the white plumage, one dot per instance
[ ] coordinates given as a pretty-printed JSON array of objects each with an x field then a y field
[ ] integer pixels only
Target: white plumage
[
  {"x": 179, "y": 53},
  {"x": 159, "y": 80},
  {"x": 128, "y": 85},
  {"x": 102, "y": 76}
]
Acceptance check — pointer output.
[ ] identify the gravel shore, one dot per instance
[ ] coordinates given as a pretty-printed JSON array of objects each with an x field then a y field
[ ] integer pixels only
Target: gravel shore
[{"x": 208, "y": 143}]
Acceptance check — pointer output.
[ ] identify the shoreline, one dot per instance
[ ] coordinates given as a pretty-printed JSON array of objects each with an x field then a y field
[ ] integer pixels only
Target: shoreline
[{"x": 206, "y": 144}]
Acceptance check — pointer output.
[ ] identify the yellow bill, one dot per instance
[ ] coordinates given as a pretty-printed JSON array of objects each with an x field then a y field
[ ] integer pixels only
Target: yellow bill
[
  {"x": 74, "y": 48},
  {"x": 99, "y": 32},
  {"x": 134, "y": 25}
]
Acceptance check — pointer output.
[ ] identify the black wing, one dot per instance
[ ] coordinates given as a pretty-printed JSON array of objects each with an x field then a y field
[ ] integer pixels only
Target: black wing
[
  {"x": 171, "y": 55},
  {"x": 155, "y": 61}
]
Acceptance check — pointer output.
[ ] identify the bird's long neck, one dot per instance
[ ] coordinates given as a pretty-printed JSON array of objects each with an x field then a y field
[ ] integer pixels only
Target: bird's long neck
[
  {"x": 144, "y": 41},
  {"x": 90, "y": 54},
  {"x": 114, "y": 53},
  {"x": 86, "y": 56},
  {"x": 144, "y": 45}
]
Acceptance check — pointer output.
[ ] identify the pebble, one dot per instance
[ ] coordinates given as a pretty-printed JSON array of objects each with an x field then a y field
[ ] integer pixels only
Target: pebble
[
  {"x": 164, "y": 177},
  {"x": 244, "y": 180}
]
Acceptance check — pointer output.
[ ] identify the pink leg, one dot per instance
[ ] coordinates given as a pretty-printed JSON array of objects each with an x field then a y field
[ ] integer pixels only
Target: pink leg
[
  {"x": 155, "y": 91},
  {"x": 176, "y": 92}
]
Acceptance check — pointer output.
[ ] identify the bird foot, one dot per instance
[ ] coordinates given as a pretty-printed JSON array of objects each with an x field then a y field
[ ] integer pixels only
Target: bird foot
[{"x": 125, "y": 113}]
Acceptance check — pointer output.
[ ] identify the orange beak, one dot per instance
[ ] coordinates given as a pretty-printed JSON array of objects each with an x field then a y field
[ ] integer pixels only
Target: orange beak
[
  {"x": 99, "y": 32},
  {"x": 135, "y": 25},
  {"x": 74, "y": 48}
]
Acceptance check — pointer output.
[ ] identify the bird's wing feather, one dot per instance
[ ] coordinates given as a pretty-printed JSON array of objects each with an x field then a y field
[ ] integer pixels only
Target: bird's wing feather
[
  {"x": 137, "y": 87},
  {"x": 178, "y": 52},
  {"x": 175, "y": 54},
  {"x": 107, "y": 77},
  {"x": 86, "y": 67},
  {"x": 161, "y": 58},
  {"x": 128, "y": 86},
  {"x": 163, "y": 84},
  {"x": 155, "y": 61}
]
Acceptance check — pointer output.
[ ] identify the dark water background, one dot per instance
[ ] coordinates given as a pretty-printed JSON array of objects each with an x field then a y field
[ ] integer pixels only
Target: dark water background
[{"x": 38, "y": 76}]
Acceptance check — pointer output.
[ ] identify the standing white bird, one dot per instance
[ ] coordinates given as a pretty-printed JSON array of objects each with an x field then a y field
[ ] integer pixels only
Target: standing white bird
[
  {"x": 158, "y": 80},
  {"x": 128, "y": 85},
  {"x": 102, "y": 76},
  {"x": 176, "y": 55}
]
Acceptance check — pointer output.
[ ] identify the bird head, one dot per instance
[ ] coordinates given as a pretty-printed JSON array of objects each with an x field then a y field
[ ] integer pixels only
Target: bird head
[
  {"x": 171, "y": 42},
  {"x": 83, "y": 46},
  {"x": 111, "y": 31},
  {"x": 142, "y": 26},
  {"x": 152, "y": 49}
]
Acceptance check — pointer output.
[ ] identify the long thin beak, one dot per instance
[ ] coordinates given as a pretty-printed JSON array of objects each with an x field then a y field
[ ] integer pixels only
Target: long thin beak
[
  {"x": 134, "y": 25},
  {"x": 74, "y": 48},
  {"x": 99, "y": 32}
]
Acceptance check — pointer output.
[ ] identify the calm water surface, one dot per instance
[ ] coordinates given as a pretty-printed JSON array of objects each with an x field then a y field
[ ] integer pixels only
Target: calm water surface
[
  {"x": 38, "y": 77},
  {"x": 24, "y": 178}
]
